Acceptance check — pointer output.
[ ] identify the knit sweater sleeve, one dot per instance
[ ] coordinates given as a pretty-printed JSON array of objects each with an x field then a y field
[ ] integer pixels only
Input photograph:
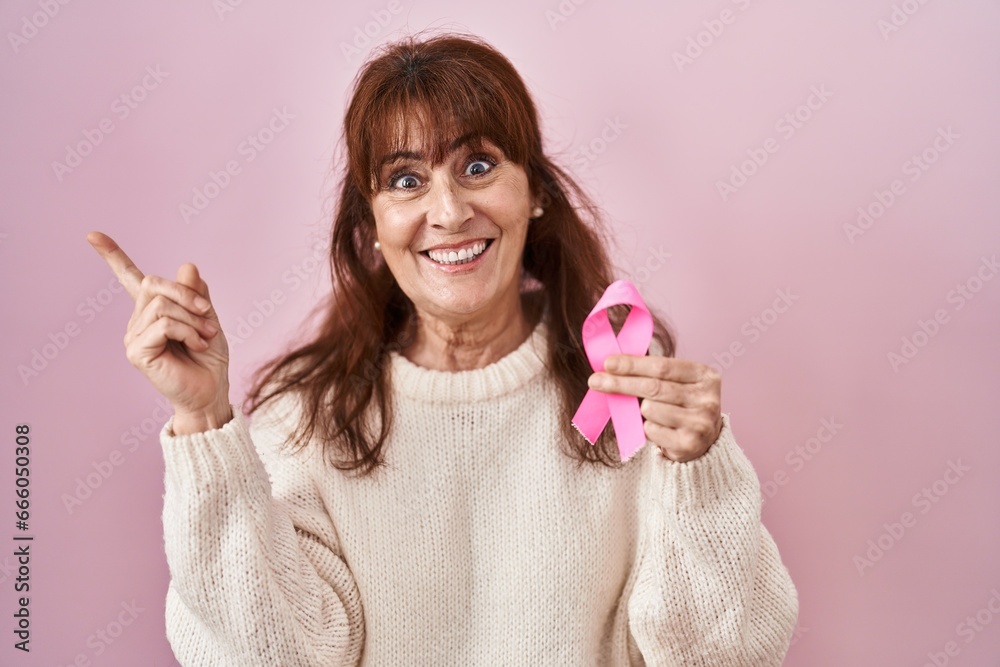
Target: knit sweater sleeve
[
  {"x": 710, "y": 588},
  {"x": 256, "y": 572}
]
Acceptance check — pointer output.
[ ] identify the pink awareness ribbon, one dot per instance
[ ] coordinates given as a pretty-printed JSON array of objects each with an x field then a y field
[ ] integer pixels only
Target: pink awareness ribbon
[{"x": 599, "y": 341}]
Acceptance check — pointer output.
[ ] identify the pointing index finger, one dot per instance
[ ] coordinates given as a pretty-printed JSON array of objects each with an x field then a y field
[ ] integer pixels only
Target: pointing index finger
[{"x": 128, "y": 273}]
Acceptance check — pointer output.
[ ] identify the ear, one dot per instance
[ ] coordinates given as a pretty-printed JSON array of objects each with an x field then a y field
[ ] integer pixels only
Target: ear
[{"x": 540, "y": 197}]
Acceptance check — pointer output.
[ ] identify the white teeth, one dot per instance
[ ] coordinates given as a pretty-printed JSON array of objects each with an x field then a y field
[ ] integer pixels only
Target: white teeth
[{"x": 461, "y": 257}]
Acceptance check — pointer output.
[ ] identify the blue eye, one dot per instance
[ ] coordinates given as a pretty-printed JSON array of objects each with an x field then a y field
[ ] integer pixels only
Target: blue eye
[
  {"x": 481, "y": 166},
  {"x": 476, "y": 166},
  {"x": 407, "y": 181}
]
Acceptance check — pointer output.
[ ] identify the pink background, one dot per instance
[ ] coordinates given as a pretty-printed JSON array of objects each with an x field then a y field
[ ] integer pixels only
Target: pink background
[{"x": 659, "y": 136}]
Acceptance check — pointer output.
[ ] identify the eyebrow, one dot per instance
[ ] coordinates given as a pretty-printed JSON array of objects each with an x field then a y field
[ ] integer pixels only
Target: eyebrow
[{"x": 415, "y": 155}]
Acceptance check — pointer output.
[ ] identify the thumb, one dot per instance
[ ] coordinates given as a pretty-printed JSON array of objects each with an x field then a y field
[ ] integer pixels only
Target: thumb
[{"x": 187, "y": 275}]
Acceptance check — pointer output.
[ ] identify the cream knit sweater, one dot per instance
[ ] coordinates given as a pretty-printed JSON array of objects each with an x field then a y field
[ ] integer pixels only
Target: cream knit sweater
[{"x": 481, "y": 543}]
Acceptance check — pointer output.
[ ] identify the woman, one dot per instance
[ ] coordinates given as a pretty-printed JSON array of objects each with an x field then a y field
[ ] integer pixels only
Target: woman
[{"x": 411, "y": 491}]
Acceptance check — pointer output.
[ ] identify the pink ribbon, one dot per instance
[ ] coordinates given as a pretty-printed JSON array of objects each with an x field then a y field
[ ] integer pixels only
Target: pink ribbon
[{"x": 599, "y": 341}]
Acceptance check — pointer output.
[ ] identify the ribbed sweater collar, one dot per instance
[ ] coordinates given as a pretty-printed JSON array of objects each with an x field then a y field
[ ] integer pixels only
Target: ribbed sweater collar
[{"x": 502, "y": 376}]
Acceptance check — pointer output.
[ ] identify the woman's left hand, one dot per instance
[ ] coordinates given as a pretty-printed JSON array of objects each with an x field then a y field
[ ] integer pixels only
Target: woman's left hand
[{"x": 681, "y": 400}]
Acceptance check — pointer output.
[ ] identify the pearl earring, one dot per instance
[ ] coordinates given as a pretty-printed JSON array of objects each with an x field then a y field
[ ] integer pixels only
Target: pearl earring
[
  {"x": 378, "y": 246},
  {"x": 537, "y": 212}
]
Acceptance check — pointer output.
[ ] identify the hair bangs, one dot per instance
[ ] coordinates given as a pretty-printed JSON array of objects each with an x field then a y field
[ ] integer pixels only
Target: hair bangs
[{"x": 432, "y": 113}]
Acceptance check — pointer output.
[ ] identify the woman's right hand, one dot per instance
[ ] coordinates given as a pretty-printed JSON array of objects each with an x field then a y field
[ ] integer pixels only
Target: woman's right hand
[{"x": 171, "y": 339}]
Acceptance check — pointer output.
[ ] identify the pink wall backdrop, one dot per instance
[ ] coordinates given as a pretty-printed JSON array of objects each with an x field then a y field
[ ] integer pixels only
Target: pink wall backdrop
[{"x": 807, "y": 191}]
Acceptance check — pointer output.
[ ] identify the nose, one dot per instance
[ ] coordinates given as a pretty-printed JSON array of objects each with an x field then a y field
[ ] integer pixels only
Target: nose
[{"x": 448, "y": 209}]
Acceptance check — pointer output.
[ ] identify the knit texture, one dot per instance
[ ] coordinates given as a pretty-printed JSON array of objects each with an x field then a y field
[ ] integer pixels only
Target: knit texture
[{"x": 480, "y": 543}]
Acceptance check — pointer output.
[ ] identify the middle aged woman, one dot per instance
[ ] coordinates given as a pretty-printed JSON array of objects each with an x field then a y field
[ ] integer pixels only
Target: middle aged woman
[{"x": 412, "y": 491}]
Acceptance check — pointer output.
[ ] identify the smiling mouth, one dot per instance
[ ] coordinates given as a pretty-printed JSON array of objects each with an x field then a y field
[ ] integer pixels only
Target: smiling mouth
[{"x": 462, "y": 256}]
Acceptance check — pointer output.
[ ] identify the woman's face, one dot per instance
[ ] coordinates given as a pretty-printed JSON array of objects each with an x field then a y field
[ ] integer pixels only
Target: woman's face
[{"x": 453, "y": 234}]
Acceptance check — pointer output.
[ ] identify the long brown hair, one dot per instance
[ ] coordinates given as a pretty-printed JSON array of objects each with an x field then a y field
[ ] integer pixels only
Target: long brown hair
[{"x": 451, "y": 86}]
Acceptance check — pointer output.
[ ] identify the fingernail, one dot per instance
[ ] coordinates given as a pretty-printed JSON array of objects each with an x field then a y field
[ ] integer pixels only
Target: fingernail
[
  {"x": 202, "y": 303},
  {"x": 210, "y": 327},
  {"x": 596, "y": 381}
]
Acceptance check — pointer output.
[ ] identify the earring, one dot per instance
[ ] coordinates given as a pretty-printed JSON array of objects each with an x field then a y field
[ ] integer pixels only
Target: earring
[
  {"x": 378, "y": 246},
  {"x": 537, "y": 212}
]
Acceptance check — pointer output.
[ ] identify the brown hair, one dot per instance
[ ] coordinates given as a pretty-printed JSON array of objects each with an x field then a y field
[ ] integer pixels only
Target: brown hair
[{"x": 452, "y": 86}]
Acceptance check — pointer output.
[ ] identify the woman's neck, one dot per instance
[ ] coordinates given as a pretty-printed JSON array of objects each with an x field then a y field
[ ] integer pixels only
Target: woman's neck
[{"x": 447, "y": 345}]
